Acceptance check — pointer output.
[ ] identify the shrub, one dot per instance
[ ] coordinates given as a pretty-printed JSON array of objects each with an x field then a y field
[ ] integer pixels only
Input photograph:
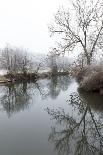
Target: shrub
[{"x": 91, "y": 78}]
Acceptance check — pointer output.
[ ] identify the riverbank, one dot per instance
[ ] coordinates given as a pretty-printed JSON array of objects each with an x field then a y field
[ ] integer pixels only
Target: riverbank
[
  {"x": 28, "y": 76},
  {"x": 90, "y": 79},
  {"x": 3, "y": 79}
]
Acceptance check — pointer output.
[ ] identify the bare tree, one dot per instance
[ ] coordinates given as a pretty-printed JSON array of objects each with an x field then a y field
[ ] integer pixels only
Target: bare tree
[
  {"x": 80, "y": 62},
  {"x": 15, "y": 60},
  {"x": 5, "y": 58},
  {"x": 39, "y": 62},
  {"x": 52, "y": 61},
  {"x": 80, "y": 25}
]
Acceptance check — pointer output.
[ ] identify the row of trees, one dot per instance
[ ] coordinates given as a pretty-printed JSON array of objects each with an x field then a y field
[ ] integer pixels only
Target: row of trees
[
  {"x": 15, "y": 60},
  {"x": 18, "y": 60}
]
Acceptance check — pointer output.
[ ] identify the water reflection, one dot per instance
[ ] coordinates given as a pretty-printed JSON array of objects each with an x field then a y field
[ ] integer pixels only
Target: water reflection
[
  {"x": 57, "y": 84},
  {"x": 79, "y": 132},
  {"x": 19, "y": 96},
  {"x": 93, "y": 99},
  {"x": 15, "y": 97},
  {"x": 78, "y": 128}
]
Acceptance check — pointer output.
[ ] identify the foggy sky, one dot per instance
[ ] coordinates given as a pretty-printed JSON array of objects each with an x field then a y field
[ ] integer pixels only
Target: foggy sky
[{"x": 24, "y": 23}]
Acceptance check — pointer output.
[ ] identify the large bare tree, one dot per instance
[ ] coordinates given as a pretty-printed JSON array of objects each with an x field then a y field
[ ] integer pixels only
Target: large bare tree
[{"x": 80, "y": 25}]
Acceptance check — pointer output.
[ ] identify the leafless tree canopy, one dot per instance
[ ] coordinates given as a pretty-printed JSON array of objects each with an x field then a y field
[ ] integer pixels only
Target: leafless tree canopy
[
  {"x": 57, "y": 63},
  {"x": 80, "y": 25},
  {"x": 15, "y": 60}
]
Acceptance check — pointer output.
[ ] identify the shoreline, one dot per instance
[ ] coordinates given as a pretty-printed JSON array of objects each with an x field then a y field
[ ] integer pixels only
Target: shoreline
[{"x": 11, "y": 78}]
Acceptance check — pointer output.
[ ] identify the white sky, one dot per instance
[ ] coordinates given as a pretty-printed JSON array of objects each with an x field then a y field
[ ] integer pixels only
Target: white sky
[{"x": 24, "y": 23}]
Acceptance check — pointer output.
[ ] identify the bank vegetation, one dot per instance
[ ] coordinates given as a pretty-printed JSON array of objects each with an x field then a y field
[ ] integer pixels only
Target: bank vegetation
[{"x": 19, "y": 64}]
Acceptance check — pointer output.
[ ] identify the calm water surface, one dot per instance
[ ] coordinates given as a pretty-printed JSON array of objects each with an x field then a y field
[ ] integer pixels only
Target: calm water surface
[{"x": 50, "y": 117}]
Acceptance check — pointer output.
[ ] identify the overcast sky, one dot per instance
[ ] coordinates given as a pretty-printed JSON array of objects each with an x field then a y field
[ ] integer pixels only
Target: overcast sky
[{"x": 24, "y": 23}]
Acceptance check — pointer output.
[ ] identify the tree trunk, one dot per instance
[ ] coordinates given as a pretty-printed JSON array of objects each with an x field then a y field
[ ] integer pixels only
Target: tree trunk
[{"x": 88, "y": 61}]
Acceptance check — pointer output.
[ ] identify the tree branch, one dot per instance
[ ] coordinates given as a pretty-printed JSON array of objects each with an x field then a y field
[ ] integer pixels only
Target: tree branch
[{"x": 96, "y": 40}]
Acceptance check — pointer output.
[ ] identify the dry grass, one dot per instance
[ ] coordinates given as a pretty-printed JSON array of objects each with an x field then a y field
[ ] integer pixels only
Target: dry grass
[
  {"x": 91, "y": 78},
  {"x": 3, "y": 79}
]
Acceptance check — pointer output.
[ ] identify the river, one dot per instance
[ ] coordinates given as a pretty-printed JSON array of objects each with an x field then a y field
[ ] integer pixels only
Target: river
[{"x": 50, "y": 117}]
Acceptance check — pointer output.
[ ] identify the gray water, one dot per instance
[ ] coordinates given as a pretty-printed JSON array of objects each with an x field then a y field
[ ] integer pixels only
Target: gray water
[{"x": 50, "y": 117}]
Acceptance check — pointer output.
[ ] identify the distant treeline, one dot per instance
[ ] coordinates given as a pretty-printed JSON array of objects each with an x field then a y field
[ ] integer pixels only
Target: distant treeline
[{"x": 19, "y": 60}]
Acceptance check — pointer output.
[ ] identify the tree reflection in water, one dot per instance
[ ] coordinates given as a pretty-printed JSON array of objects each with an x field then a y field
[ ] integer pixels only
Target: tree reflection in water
[
  {"x": 19, "y": 96},
  {"x": 57, "y": 84},
  {"x": 15, "y": 97},
  {"x": 79, "y": 133}
]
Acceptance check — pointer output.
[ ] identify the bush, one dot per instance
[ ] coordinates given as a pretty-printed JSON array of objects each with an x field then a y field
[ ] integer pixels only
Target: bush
[{"x": 91, "y": 78}]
